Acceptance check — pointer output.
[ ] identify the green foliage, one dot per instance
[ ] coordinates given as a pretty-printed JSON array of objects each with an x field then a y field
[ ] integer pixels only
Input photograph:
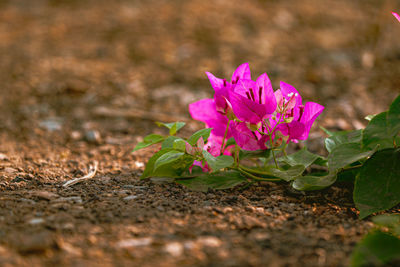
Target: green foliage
[
  {"x": 342, "y": 137},
  {"x": 173, "y": 127},
  {"x": 345, "y": 154},
  {"x": 218, "y": 163},
  {"x": 149, "y": 140},
  {"x": 301, "y": 157},
  {"x": 390, "y": 221},
  {"x": 245, "y": 154},
  {"x": 169, "y": 142},
  {"x": 376, "y": 249},
  {"x": 382, "y": 245},
  {"x": 287, "y": 175},
  {"x": 378, "y": 132},
  {"x": 205, "y": 133},
  {"x": 167, "y": 163},
  {"x": 314, "y": 182},
  {"x": 377, "y": 186}
]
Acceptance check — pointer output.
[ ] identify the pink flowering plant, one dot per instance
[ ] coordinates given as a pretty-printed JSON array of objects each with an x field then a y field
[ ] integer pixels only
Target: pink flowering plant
[{"x": 248, "y": 127}]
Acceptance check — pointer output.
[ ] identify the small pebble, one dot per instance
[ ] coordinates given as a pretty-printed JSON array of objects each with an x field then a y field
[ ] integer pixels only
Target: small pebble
[
  {"x": 130, "y": 198},
  {"x": 174, "y": 248},
  {"x": 93, "y": 136},
  {"x": 36, "y": 221},
  {"x": 3, "y": 156},
  {"x": 134, "y": 242}
]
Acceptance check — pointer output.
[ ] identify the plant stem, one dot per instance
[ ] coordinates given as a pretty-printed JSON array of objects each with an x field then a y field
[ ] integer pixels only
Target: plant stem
[
  {"x": 223, "y": 139},
  {"x": 256, "y": 177},
  {"x": 236, "y": 155},
  {"x": 273, "y": 153},
  {"x": 352, "y": 167}
]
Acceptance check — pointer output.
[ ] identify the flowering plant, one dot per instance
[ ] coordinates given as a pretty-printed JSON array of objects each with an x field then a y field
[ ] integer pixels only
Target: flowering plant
[{"x": 248, "y": 127}]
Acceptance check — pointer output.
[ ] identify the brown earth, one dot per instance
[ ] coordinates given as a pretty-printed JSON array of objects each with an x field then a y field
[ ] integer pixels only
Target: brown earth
[{"x": 84, "y": 81}]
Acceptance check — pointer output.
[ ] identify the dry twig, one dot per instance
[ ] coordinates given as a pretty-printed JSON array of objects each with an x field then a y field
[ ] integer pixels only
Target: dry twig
[{"x": 91, "y": 174}]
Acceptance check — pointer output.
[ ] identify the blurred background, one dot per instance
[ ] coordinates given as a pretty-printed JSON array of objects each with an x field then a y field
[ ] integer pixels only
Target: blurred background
[{"x": 115, "y": 66}]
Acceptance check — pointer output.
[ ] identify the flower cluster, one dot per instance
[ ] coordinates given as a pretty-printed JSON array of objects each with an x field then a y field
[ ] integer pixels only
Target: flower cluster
[{"x": 252, "y": 113}]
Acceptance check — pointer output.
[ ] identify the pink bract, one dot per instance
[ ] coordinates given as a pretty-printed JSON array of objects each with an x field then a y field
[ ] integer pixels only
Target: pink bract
[
  {"x": 397, "y": 16},
  {"x": 205, "y": 110},
  {"x": 246, "y": 138},
  {"x": 222, "y": 87},
  {"x": 252, "y": 101}
]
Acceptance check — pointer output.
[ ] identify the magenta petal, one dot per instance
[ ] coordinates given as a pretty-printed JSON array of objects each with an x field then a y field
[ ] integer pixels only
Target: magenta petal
[
  {"x": 247, "y": 139},
  {"x": 266, "y": 92},
  {"x": 243, "y": 87},
  {"x": 397, "y": 16},
  {"x": 288, "y": 89},
  {"x": 205, "y": 110},
  {"x": 242, "y": 72},
  {"x": 247, "y": 110},
  {"x": 296, "y": 130},
  {"x": 216, "y": 83},
  {"x": 221, "y": 95},
  {"x": 311, "y": 112}
]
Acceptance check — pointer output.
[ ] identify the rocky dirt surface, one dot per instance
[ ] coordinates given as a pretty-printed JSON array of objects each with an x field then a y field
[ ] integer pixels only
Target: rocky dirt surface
[{"x": 83, "y": 81}]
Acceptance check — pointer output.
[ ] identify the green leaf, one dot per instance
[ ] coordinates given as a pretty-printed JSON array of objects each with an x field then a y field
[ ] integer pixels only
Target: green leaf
[
  {"x": 377, "y": 185},
  {"x": 180, "y": 145},
  {"x": 205, "y": 133},
  {"x": 301, "y": 157},
  {"x": 169, "y": 142},
  {"x": 321, "y": 161},
  {"x": 217, "y": 180},
  {"x": 173, "y": 127},
  {"x": 345, "y": 154},
  {"x": 171, "y": 169},
  {"x": 376, "y": 249},
  {"x": 394, "y": 117},
  {"x": 245, "y": 154},
  {"x": 231, "y": 141},
  {"x": 174, "y": 142},
  {"x": 391, "y": 221},
  {"x": 148, "y": 141},
  {"x": 378, "y": 132},
  {"x": 314, "y": 182},
  {"x": 288, "y": 175},
  {"x": 167, "y": 158},
  {"x": 348, "y": 175},
  {"x": 148, "y": 171},
  {"x": 370, "y": 117},
  {"x": 342, "y": 137},
  {"x": 217, "y": 163}
]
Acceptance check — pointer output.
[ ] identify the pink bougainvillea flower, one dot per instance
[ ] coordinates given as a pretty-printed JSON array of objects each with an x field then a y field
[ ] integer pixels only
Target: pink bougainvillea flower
[
  {"x": 299, "y": 118},
  {"x": 252, "y": 101},
  {"x": 205, "y": 110},
  {"x": 397, "y": 16},
  {"x": 246, "y": 138},
  {"x": 222, "y": 87},
  {"x": 213, "y": 146}
]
